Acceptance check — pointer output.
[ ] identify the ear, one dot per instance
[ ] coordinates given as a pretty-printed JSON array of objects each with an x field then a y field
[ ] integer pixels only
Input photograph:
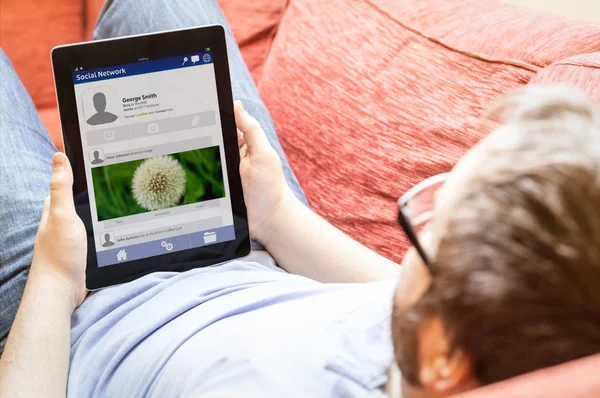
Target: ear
[{"x": 442, "y": 371}]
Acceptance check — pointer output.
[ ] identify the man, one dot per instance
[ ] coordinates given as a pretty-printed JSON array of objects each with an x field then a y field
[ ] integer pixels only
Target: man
[
  {"x": 509, "y": 267},
  {"x": 512, "y": 254}
]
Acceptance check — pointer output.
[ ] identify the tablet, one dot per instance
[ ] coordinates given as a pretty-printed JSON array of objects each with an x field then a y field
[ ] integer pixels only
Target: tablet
[{"x": 149, "y": 129}]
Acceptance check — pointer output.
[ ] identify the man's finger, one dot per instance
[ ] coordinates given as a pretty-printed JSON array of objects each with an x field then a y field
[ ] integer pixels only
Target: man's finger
[
  {"x": 61, "y": 183},
  {"x": 240, "y": 138},
  {"x": 243, "y": 151},
  {"x": 254, "y": 136}
]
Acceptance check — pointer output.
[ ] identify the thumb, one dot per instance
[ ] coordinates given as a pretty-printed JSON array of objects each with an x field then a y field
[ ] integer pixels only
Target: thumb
[
  {"x": 61, "y": 183},
  {"x": 254, "y": 136},
  {"x": 45, "y": 211}
]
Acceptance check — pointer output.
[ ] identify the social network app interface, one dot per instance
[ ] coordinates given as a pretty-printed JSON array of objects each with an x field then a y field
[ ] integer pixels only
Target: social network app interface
[{"x": 154, "y": 157}]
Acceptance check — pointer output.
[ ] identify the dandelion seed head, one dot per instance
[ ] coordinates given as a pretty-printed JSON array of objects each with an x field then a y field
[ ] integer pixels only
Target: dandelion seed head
[{"x": 158, "y": 183}]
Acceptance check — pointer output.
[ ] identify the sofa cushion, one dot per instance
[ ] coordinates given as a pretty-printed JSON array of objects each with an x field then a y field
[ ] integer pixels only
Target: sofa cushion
[
  {"x": 371, "y": 96},
  {"x": 581, "y": 71}
]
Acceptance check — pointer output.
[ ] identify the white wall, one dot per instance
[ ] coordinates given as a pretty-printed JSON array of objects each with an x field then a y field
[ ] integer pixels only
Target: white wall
[{"x": 585, "y": 9}]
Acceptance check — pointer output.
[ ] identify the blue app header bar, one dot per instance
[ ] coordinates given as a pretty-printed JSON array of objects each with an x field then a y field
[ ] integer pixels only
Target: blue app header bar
[{"x": 184, "y": 61}]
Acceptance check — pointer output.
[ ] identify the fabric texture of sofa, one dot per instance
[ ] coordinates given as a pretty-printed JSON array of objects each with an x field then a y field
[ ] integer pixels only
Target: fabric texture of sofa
[{"x": 368, "y": 97}]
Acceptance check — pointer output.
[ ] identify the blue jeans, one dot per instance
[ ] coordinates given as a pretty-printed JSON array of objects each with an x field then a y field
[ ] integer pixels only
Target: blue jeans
[{"x": 26, "y": 149}]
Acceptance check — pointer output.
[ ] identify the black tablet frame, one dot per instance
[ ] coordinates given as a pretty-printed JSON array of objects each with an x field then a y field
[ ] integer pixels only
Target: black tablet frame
[{"x": 133, "y": 49}]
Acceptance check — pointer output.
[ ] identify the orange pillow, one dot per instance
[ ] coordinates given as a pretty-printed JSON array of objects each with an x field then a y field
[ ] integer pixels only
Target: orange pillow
[{"x": 369, "y": 97}]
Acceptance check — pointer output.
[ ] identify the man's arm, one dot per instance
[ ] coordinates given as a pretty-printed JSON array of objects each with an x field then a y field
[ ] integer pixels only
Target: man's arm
[
  {"x": 301, "y": 242},
  {"x": 35, "y": 362}
]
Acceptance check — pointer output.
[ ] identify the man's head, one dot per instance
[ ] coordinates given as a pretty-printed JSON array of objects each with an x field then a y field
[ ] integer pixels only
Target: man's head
[
  {"x": 514, "y": 242},
  {"x": 99, "y": 102}
]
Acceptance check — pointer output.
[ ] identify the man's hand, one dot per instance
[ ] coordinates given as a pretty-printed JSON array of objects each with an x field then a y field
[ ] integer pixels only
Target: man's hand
[
  {"x": 265, "y": 189},
  {"x": 35, "y": 362},
  {"x": 61, "y": 245},
  {"x": 286, "y": 227}
]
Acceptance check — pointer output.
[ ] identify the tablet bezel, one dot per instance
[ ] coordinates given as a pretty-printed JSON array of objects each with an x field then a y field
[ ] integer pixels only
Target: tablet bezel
[{"x": 133, "y": 49}]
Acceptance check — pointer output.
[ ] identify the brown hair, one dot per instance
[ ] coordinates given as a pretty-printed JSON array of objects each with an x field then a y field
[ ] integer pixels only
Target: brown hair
[{"x": 516, "y": 273}]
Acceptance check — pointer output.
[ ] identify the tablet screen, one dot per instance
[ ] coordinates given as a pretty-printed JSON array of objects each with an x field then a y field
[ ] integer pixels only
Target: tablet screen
[{"x": 154, "y": 157}]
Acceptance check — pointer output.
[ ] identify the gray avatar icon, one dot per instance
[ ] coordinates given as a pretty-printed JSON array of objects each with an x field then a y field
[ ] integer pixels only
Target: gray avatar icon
[
  {"x": 97, "y": 159},
  {"x": 107, "y": 241},
  {"x": 101, "y": 116}
]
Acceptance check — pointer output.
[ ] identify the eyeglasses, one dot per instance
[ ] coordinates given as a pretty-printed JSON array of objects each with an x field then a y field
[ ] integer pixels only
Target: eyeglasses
[{"x": 416, "y": 209}]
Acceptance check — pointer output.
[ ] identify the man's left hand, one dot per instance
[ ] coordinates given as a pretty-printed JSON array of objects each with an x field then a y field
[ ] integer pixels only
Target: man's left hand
[{"x": 61, "y": 243}]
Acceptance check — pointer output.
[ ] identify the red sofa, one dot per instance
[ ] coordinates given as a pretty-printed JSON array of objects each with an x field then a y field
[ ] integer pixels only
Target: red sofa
[{"x": 369, "y": 97}]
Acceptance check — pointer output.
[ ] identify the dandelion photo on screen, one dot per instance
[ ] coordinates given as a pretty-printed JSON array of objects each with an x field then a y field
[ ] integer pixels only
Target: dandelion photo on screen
[{"x": 158, "y": 183}]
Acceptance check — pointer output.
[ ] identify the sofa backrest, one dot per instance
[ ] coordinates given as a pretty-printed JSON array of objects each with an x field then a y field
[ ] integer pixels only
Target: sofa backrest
[{"x": 371, "y": 97}]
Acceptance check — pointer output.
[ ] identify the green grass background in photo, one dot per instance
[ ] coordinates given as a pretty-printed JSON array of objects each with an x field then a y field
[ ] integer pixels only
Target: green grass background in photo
[{"x": 112, "y": 184}]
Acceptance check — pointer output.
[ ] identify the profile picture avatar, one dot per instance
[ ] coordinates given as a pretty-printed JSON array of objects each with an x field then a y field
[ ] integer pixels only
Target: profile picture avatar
[
  {"x": 96, "y": 156},
  {"x": 100, "y": 106},
  {"x": 107, "y": 239}
]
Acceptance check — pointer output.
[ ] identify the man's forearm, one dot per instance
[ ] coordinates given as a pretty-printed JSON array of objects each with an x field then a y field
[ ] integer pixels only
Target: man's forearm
[
  {"x": 35, "y": 362},
  {"x": 305, "y": 244}
]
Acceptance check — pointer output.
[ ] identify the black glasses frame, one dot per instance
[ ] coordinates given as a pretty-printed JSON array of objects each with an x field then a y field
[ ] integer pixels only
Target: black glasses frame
[
  {"x": 412, "y": 237},
  {"x": 404, "y": 217}
]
